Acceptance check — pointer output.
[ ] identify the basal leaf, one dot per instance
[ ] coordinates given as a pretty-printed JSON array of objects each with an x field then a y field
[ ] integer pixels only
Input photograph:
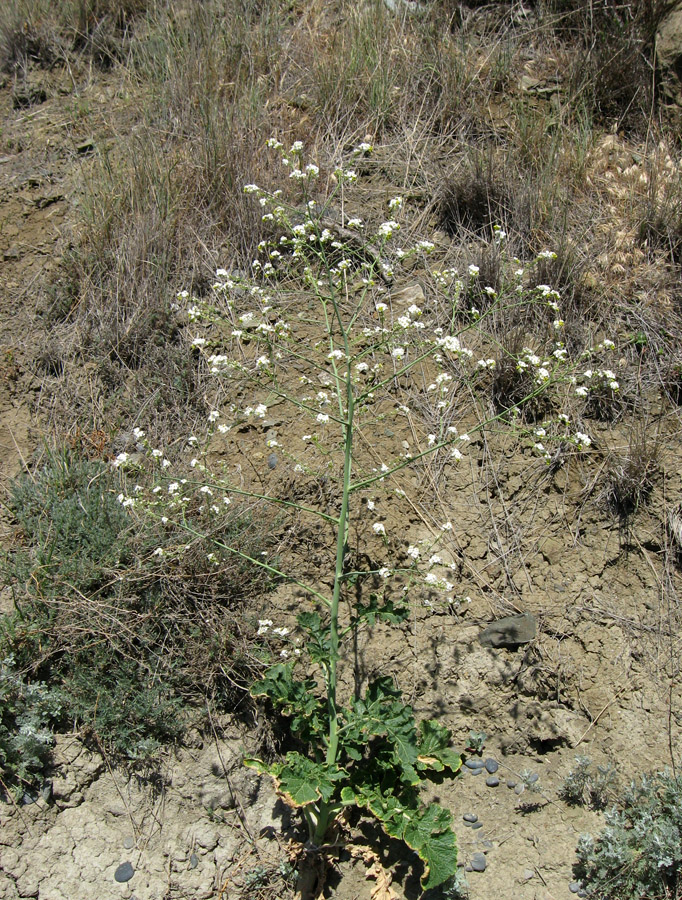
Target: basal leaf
[
  {"x": 427, "y": 831},
  {"x": 430, "y": 834},
  {"x": 434, "y": 748},
  {"x": 301, "y": 781},
  {"x": 381, "y": 714}
]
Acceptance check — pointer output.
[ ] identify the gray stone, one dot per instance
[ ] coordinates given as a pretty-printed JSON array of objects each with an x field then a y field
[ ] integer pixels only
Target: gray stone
[
  {"x": 470, "y": 817},
  {"x": 574, "y": 887},
  {"x": 128, "y": 842},
  {"x": 124, "y": 872},
  {"x": 492, "y": 765},
  {"x": 509, "y": 631},
  {"x": 492, "y": 781},
  {"x": 193, "y": 861},
  {"x": 272, "y": 461},
  {"x": 478, "y": 862},
  {"x": 474, "y": 763}
]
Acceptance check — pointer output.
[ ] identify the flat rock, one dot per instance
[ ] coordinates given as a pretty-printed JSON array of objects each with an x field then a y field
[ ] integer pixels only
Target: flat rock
[
  {"x": 509, "y": 631},
  {"x": 124, "y": 872}
]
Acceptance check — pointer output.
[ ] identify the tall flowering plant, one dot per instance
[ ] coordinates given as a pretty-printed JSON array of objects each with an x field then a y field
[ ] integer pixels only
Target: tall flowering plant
[{"x": 316, "y": 326}]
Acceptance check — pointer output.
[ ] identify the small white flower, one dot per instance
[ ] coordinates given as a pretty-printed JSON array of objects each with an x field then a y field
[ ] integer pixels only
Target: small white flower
[
  {"x": 157, "y": 454},
  {"x": 158, "y": 552},
  {"x": 378, "y": 528},
  {"x": 264, "y": 625},
  {"x": 280, "y": 632},
  {"x": 361, "y": 367},
  {"x": 446, "y": 526},
  {"x": 582, "y": 391},
  {"x": 223, "y": 429},
  {"x": 385, "y": 572},
  {"x": 206, "y": 490},
  {"x": 260, "y": 410},
  {"x": 582, "y": 440},
  {"x": 173, "y": 487},
  {"x": 396, "y": 204},
  {"x": 473, "y": 271},
  {"x": 121, "y": 460},
  {"x": 322, "y": 418},
  {"x": 398, "y": 352},
  {"x": 370, "y": 505},
  {"x": 413, "y": 552},
  {"x": 455, "y": 453}
]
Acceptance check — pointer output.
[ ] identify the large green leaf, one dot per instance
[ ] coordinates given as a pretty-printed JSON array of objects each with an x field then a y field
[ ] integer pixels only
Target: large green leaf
[
  {"x": 427, "y": 831},
  {"x": 434, "y": 748},
  {"x": 299, "y": 780},
  {"x": 382, "y": 714},
  {"x": 297, "y": 699}
]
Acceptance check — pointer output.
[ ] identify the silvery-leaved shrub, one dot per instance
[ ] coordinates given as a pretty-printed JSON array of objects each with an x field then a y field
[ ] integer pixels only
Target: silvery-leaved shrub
[{"x": 638, "y": 855}]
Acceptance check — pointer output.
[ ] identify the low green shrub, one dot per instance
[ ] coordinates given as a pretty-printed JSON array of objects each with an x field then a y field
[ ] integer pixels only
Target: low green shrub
[{"x": 121, "y": 624}]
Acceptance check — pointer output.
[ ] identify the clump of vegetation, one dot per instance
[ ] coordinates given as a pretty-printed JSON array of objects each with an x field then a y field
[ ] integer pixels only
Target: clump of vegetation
[
  {"x": 125, "y": 642},
  {"x": 639, "y": 853},
  {"x": 588, "y": 785}
]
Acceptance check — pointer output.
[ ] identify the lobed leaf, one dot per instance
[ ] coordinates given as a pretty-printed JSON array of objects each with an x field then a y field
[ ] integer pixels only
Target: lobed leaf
[
  {"x": 296, "y": 698},
  {"x": 299, "y": 780},
  {"x": 434, "y": 748},
  {"x": 427, "y": 831}
]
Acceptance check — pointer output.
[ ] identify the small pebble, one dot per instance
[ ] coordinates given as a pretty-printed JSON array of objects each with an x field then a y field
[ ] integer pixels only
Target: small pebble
[
  {"x": 470, "y": 817},
  {"x": 477, "y": 771},
  {"x": 476, "y": 826},
  {"x": 272, "y": 460},
  {"x": 492, "y": 765},
  {"x": 468, "y": 869},
  {"x": 532, "y": 778},
  {"x": 129, "y": 842},
  {"x": 511, "y": 784},
  {"x": 478, "y": 862},
  {"x": 124, "y": 872},
  {"x": 528, "y": 874},
  {"x": 492, "y": 781},
  {"x": 574, "y": 887},
  {"x": 193, "y": 861},
  {"x": 519, "y": 789},
  {"x": 474, "y": 763}
]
